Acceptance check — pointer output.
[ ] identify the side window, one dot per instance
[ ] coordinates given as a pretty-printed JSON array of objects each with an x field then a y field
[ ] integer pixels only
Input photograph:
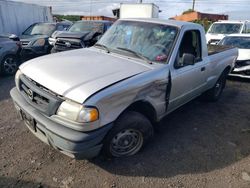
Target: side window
[
  {"x": 191, "y": 45},
  {"x": 248, "y": 27},
  {"x": 108, "y": 26},
  {"x": 60, "y": 28}
]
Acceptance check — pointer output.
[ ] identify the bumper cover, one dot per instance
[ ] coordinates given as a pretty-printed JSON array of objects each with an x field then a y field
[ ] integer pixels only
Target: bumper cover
[
  {"x": 34, "y": 51},
  {"x": 243, "y": 72},
  {"x": 73, "y": 143}
]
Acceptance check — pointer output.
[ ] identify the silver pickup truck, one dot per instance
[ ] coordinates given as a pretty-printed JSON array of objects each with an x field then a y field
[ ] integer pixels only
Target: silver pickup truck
[{"x": 109, "y": 97}]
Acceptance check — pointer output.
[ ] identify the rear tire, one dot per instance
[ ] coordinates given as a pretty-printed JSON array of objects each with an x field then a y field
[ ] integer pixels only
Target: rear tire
[
  {"x": 129, "y": 134},
  {"x": 9, "y": 65},
  {"x": 214, "y": 93}
]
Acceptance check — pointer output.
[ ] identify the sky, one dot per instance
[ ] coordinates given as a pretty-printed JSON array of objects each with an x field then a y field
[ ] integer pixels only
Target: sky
[{"x": 236, "y": 9}]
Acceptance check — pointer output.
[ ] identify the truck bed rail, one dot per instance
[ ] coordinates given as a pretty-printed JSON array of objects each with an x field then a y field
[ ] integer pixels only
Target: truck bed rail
[{"x": 214, "y": 49}]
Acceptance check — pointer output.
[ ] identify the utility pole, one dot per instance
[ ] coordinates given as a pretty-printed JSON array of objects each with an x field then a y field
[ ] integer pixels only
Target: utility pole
[{"x": 193, "y": 5}]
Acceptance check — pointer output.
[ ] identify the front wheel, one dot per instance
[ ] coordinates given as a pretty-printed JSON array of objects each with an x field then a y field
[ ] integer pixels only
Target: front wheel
[
  {"x": 9, "y": 65},
  {"x": 129, "y": 134}
]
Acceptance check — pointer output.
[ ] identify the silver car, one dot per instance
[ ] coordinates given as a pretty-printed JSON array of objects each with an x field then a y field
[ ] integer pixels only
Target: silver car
[{"x": 10, "y": 48}]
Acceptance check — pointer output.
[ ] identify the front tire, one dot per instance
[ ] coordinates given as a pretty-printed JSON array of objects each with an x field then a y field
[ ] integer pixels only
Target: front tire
[
  {"x": 129, "y": 134},
  {"x": 9, "y": 65}
]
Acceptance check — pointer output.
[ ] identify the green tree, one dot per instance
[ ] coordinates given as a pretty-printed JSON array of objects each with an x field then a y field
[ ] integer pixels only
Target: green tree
[
  {"x": 72, "y": 18},
  {"x": 188, "y": 11}
]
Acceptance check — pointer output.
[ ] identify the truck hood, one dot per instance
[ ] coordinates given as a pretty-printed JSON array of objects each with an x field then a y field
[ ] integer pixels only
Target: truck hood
[
  {"x": 32, "y": 37},
  {"x": 75, "y": 35},
  {"x": 78, "y": 74},
  {"x": 214, "y": 36}
]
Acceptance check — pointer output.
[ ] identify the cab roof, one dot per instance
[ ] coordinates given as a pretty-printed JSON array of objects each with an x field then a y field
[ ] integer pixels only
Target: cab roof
[{"x": 175, "y": 23}]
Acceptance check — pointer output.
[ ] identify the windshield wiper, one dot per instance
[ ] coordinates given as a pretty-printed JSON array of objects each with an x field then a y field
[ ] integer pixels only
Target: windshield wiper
[
  {"x": 103, "y": 46},
  {"x": 136, "y": 53}
]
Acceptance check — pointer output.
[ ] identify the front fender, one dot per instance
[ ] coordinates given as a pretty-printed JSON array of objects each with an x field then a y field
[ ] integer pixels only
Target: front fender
[{"x": 148, "y": 86}]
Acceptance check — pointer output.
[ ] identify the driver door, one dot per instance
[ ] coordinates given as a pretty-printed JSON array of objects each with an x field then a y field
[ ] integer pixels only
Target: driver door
[{"x": 188, "y": 81}]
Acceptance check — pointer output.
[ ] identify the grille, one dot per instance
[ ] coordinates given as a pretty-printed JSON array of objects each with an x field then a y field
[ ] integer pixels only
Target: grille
[
  {"x": 245, "y": 73},
  {"x": 39, "y": 97},
  {"x": 25, "y": 43},
  {"x": 68, "y": 44}
]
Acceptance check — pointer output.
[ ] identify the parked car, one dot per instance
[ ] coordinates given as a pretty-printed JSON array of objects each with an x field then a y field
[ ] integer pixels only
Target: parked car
[
  {"x": 10, "y": 48},
  {"x": 35, "y": 38},
  {"x": 218, "y": 30},
  {"x": 242, "y": 42},
  {"x": 109, "y": 96},
  {"x": 80, "y": 35}
]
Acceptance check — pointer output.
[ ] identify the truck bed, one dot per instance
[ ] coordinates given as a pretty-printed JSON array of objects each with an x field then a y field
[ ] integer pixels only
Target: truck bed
[{"x": 214, "y": 49}]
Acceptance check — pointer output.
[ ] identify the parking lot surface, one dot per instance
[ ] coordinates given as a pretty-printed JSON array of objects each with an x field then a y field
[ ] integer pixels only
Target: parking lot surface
[{"x": 200, "y": 145}]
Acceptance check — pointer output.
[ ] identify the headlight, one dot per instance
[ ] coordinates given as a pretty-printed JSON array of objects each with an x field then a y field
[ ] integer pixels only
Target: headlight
[
  {"x": 17, "y": 78},
  {"x": 52, "y": 41},
  {"x": 39, "y": 42},
  {"x": 77, "y": 112}
]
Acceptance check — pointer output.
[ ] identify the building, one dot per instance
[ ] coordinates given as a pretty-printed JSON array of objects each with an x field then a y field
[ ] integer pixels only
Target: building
[
  {"x": 98, "y": 18},
  {"x": 193, "y": 16},
  {"x": 15, "y": 17}
]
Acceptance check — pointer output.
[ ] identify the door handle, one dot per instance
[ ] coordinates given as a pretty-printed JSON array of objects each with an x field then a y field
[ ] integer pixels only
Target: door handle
[{"x": 203, "y": 69}]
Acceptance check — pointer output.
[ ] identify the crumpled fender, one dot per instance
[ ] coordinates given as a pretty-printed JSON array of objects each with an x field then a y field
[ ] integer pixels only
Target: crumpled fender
[{"x": 153, "y": 87}]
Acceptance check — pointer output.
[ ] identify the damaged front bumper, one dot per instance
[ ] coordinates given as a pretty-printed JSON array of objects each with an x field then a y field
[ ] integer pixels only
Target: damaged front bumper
[
  {"x": 76, "y": 144},
  {"x": 241, "y": 69}
]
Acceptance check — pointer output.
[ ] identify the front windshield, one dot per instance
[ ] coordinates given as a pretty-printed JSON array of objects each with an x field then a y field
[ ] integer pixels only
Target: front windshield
[
  {"x": 86, "y": 26},
  {"x": 152, "y": 41},
  {"x": 40, "y": 29},
  {"x": 225, "y": 28},
  {"x": 239, "y": 42}
]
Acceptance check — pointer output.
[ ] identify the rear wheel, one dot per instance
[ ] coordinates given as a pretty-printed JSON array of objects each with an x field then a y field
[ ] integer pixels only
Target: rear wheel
[
  {"x": 214, "y": 93},
  {"x": 9, "y": 65},
  {"x": 129, "y": 134}
]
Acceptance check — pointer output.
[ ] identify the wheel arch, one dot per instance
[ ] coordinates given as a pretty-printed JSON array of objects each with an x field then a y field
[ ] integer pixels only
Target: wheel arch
[
  {"x": 145, "y": 108},
  {"x": 227, "y": 70}
]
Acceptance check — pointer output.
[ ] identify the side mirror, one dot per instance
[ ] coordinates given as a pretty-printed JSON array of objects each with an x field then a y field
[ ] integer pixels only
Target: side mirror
[
  {"x": 14, "y": 37},
  {"x": 188, "y": 59}
]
